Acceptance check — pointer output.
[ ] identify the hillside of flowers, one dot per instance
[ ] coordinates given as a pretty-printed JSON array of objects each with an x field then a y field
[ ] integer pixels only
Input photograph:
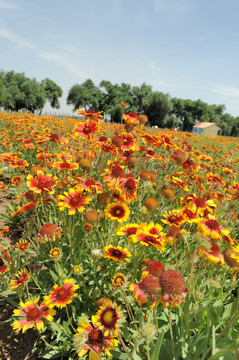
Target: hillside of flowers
[{"x": 120, "y": 241}]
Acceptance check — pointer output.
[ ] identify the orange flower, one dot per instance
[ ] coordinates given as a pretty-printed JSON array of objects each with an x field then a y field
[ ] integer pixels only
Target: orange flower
[
  {"x": 65, "y": 165},
  {"x": 90, "y": 113},
  {"x": 27, "y": 207},
  {"x": 48, "y": 232},
  {"x": 4, "y": 230},
  {"x": 86, "y": 129},
  {"x": 148, "y": 286}
]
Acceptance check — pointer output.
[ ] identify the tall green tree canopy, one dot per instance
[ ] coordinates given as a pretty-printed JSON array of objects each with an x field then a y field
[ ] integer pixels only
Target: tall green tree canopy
[
  {"x": 158, "y": 108},
  {"x": 18, "y": 92},
  {"x": 86, "y": 95},
  {"x": 53, "y": 92}
]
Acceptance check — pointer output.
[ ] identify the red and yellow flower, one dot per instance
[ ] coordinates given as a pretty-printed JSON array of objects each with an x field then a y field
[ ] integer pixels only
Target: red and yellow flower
[
  {"x": 42, "y": 183},
  {"x": 117, "y": 211},
  {"x": 150, "y": 235},
  {"x": 108, "y": 319},
  {"x": 55, "y": 253},
  {"x": 211, "y": 228},
  {"x": 73, "y": 200},
  {"x": 22, "y": 245},
  {"x": 197, "y": 205},
  {"x": 32, "y": 315},
  {"x": 117, "y": 253},
  {"x": 91, "y": 338},
  {"x": 213, "y": 256},
  {"x": 61, "y": 296},
  {"x": 22, "y": 277},
  {"x": 174, "y": 218},
  {"x": 127, "y": 230},
  {"x": 4, "y": 255},
  {"x": 118, "y": 280},
  {"x": 173, "y": 288}
]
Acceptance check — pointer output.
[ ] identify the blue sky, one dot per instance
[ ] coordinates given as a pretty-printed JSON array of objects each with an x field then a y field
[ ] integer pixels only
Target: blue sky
[{"x": 186, "y": 48}]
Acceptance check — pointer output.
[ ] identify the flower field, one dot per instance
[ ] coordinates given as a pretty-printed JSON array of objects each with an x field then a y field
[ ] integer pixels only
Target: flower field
[{"x": 120, "y": 241}]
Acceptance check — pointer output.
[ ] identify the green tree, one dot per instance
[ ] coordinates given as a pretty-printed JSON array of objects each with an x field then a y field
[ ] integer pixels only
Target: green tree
[
  {"x": 23, "y": 93},
  {"x": 111, "y": 97},
  {"x": 235, "y": 127},
  {"x": 3, "y": 93},
  {"x": 158, "y": 108},
  {"x": 34, "y": 96},
  {"x": 141, "y": 97},
  {"x": 86, "y": 95},
  {"x": 53, "y": 92}
]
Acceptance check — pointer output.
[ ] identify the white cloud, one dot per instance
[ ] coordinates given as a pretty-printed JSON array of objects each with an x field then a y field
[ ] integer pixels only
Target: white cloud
[
  {"x": 57, "y": 57},
  {"x": 17, "y": 40},
  {"x": 7, "y": 4},
  {"x": 159, "y": 5},
  {"x": 226, "y": 91},
  {"x": 172, "y": 5}
]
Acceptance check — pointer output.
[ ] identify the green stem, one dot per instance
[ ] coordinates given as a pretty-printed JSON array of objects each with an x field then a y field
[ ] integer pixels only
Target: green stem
[
  {"x": 68, "y": 316},
  {"x": 124, "y": 346},
  {"x": 171, "y": 334}
]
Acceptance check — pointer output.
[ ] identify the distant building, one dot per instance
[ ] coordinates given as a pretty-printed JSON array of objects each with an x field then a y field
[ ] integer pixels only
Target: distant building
[{"x": 207, "y": 129}]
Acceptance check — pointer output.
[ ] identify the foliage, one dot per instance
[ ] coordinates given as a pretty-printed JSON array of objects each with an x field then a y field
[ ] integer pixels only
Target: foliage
[
  {"x": 85, "y": 95},
  {"x": 17, "y": 92},
  {"x": 53, "y": 92}
]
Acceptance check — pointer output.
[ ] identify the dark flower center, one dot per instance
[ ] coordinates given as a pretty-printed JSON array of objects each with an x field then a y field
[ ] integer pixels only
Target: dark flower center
[
  {"x": 130, "y": 184},
  {"x": 200, "y": 203},
  {"x": 61, "y": 294},
  {"x": 96, "y": 337},
  {"x": 131, "y": 231},
  {"x": 117, "y": 253},
  {"x": 117, "y": 211},
  {"x": 109, "y": 318},
  {"x": 212, "y": 224},
  {"x": 33, "y": 314}
]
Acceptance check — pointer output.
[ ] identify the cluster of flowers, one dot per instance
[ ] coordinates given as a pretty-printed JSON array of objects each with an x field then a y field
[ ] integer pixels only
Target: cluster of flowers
[{"x": 138, "y": 195}]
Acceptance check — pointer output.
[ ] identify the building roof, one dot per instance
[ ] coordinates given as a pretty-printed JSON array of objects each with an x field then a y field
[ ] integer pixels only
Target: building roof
[{"x": 204, "y": 125}]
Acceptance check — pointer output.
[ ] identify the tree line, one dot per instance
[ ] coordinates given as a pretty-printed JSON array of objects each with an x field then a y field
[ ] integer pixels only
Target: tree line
[
  {"x": 17, "y": 92},
  {"x": 162, "y": 109}
]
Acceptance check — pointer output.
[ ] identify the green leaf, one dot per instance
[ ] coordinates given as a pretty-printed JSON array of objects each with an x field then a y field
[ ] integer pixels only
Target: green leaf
[
  {"x": 119, "y": 355},
  {"x": 157, "y": 347},
  {"x": 53, "y": 275}
]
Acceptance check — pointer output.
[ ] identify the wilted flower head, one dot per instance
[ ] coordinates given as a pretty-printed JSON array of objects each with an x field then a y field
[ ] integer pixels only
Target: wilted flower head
[
  {"x": 173, "y": 288},
  {"x": 48, "y": 232}
]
